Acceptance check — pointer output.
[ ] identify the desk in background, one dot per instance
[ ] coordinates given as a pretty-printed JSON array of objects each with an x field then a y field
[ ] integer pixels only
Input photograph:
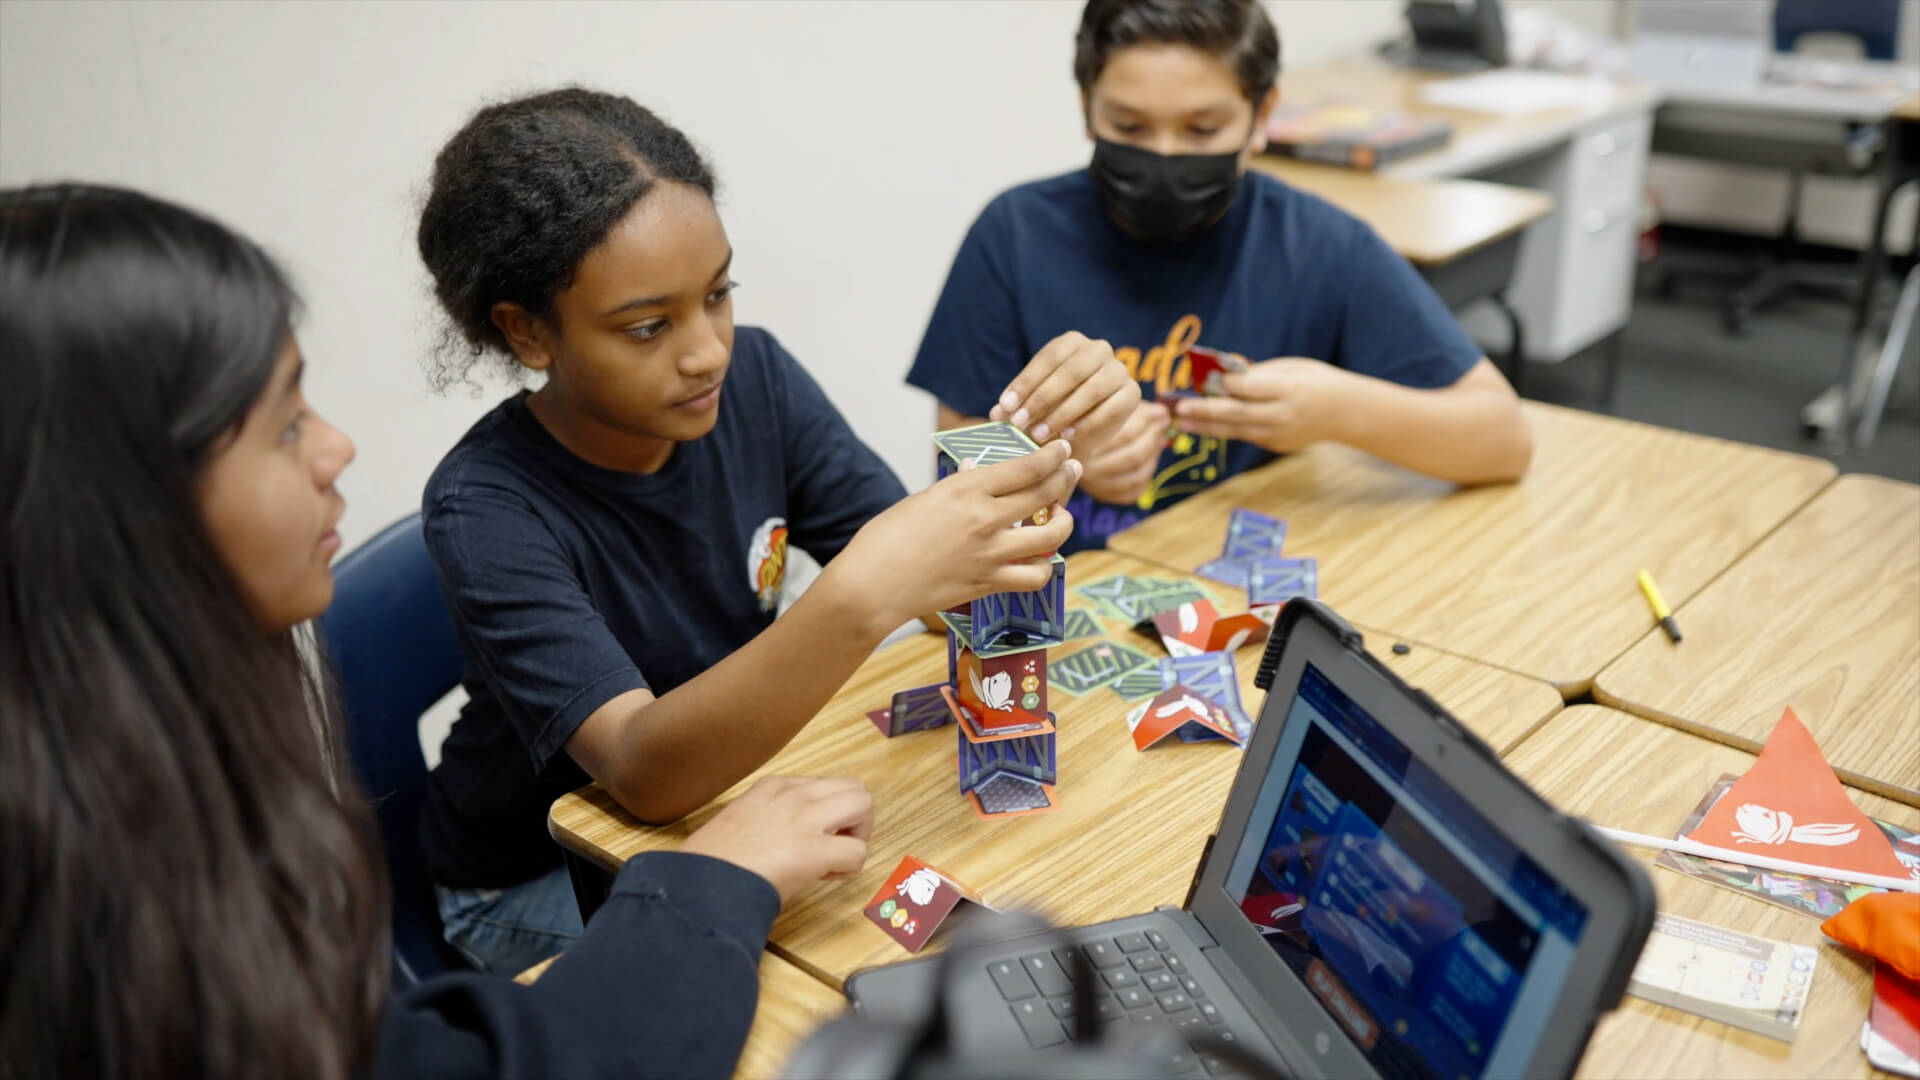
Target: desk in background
[
  {"x": 1824, "y": 615},
  {"x": 1574, "y": 277},
  {"x": 1619, "y": 770},
  {"x": 1464, "y": 236},
  {"x": 1129, "y": 830},
  {"x": 793, "y": 1004},
  {"x": 1535, "y": 577}
]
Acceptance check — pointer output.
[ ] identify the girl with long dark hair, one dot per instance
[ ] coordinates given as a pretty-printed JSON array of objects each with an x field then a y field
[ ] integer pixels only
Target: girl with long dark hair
[{"x": 191, "y": 886}]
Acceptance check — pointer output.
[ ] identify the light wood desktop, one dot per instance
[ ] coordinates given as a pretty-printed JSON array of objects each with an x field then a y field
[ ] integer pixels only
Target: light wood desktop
[
  {"x": 1535, "y": 577},
  {"x": 1908, "y": 109},
  {"x": 1130, "y": 826},
  {"x": 793, "y": 1004},
  {"x": 1620, "y": 770},
  {"x": 1429, "y": 222},
  {"x": 1480, "y": 140},
  {"x": 1824, "y": 616}
]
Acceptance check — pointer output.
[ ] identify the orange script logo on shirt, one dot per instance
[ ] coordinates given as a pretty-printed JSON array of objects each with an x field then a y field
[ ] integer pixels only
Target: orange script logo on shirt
[{"x": 1195, "y": 461}]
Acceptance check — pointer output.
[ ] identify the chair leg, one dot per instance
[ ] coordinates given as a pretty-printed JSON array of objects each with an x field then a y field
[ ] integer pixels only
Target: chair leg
[
  {"x": 590, "y": 885},
  {"x": 1517, "y": 344},
  {"x": 1906, "y": 320},
  {"x": 1610, "y": 379}
]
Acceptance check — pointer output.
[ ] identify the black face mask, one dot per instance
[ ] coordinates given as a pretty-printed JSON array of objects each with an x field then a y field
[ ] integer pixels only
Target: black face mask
[{"x": 1164, "y": 197}]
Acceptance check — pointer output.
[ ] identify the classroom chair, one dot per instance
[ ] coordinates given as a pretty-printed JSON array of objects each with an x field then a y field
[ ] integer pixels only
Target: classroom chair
[
  {"x": 395, "y": 652},
  {"x": 1781, "y": 270}
]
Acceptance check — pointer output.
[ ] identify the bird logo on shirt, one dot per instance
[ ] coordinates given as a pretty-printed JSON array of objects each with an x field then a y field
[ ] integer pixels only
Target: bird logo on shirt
[{"x": 767, "y": 561}]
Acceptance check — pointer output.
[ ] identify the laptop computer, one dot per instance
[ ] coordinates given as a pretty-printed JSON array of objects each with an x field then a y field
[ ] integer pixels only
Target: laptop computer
[
  {"x": 1703, "y": 45},
  {"x": 1382, "y": 898}
]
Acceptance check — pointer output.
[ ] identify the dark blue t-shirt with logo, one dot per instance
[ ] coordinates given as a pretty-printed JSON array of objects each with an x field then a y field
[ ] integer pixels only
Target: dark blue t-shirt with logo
[
  {"x": 570, "y": 584},
  {"x": 1282, "y": 274}
]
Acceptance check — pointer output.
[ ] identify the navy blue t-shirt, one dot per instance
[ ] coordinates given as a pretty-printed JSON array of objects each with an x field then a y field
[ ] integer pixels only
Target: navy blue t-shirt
[
  {"x": 571, "y": 584},
  {"x": 1282, "y": 274}
]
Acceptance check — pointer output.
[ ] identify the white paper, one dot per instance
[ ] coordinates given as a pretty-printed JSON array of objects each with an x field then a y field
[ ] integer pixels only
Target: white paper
[{"x": 1510, "y": 92}]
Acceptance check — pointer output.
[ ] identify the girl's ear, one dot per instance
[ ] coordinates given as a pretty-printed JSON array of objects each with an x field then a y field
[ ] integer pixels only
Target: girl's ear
[{"x": 526, "y": 335}]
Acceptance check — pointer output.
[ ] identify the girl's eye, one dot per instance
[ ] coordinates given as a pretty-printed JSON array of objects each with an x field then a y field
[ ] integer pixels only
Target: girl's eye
[
  {"x": 292, "y": 431},
  {"x": 721, "y": 293},
  {"x": 1205, "y": 133},
  {"x": 648, "y": 331},
  {"x": 1127, "y": 129}
]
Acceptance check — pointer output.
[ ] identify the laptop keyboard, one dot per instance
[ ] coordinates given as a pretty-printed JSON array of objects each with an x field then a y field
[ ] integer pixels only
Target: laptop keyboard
[{"x": 1139, "y": 980}]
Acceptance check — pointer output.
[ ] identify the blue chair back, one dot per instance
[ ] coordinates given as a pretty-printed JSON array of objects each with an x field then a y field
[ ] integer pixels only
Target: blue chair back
[
  {"x": 1875, "y": 22},
  {"x": 394, "y": 648}
]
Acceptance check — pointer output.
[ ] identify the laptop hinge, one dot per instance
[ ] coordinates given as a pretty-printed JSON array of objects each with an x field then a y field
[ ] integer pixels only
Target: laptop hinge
[{"x": 1199, "y": 866}]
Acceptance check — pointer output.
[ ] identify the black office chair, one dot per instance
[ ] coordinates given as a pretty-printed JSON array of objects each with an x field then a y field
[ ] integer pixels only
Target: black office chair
[
  {"x": 1876, "y": 25},
  {"x": 396, "y": 654}
]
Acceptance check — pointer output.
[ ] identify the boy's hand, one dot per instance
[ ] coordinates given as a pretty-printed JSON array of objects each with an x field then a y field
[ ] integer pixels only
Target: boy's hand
[
  {"x": 1072, "y": 389},
  {"x": 792, "y": 830},
  {"x": 1282, "y": 405},
  {"x": 1119, "y": 470},
  {"x": 956, "y": 540}
]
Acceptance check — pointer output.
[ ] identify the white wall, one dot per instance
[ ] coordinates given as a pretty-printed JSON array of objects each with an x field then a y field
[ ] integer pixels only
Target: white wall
[{"x": 854, "y": 141}]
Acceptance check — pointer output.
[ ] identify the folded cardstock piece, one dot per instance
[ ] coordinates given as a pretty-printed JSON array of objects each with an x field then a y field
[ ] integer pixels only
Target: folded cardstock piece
[
  {"x": 1137, "y": 684},
  {"x": 1178, "y": 709},
  {"x": 1791, "y": 806},
  {"x": 916, "y": 709},
  {"x": 1195, "y": 627},
  {"x": 915, "y": 900},
  {"x": 1215, "y": 678},
  {"x": 1081, "y": 624},
  {"x": 1894, "y": 1017},
  {"x": 1094, "y": 666},
  {"x": 1276, "y": 580},
  {"x": 1251, "y": 534},
  {"x": 978, "y": 732},
  {"x": 1204, "y": 368},
  {"x": 1006, "y": 795},
  {"x": 1226, "y": 571}
]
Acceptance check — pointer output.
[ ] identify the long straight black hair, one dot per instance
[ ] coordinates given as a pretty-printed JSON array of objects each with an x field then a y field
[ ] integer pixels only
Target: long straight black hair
[{"x": 182, "y": 891}]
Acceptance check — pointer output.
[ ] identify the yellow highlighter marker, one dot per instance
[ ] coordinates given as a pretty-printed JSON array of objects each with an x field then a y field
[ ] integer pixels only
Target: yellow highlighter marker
[{"x": 1659, "y": 605}]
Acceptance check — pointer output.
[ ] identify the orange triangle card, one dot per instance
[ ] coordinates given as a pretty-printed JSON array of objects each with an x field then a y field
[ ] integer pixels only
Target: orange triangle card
[
  {"x": 1791, "y": 806},
  {"x": 915, "y": 900}
]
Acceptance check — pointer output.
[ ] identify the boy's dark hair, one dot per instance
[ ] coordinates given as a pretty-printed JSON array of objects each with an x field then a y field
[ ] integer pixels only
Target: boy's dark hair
[
  {"x": 1237, "y": 31},
  {"x": 523, "y": 192}
]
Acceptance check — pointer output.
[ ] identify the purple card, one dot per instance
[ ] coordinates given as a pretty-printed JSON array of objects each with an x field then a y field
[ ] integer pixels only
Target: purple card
[
  {"x": 1226, "y": 571},
  {"x": 1251, "y": 534},
  {"x": 1276, "y": 580}
]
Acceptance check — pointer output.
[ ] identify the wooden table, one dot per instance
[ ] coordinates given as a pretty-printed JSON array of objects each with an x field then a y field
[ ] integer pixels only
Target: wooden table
[
  {"x": 1479, "y": 141},
  {"x": 1429, "y": 222},
  {"x": 1129, "y": 829},
  {"x": 1823, "y": 616},
  {"x": 1535, "y": 577},
  {"x": 1620, "y": 770},
  {"x": 793, "y": 1004}
]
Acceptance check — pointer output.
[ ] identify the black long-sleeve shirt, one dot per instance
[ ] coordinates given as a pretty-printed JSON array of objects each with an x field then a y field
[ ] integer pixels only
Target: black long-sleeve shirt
[{"x": 662, "y": 984}]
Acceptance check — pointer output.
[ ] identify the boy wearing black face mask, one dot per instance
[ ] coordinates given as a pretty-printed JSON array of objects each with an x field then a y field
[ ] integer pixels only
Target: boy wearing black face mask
[{"x": 1166, "y": 242}]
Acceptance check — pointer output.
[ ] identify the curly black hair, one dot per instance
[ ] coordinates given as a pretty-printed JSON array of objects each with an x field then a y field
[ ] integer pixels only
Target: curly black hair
[
  {"x": 1237, "y": 31},
  {"x": 522, "y": 193}
]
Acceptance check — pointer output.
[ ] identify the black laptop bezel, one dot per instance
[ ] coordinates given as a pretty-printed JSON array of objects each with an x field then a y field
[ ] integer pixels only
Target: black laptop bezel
[{"x": 1618, "y": 896}]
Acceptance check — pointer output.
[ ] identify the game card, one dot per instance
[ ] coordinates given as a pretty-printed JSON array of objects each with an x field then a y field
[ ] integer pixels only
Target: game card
[{"x": 1094, "y": 666}]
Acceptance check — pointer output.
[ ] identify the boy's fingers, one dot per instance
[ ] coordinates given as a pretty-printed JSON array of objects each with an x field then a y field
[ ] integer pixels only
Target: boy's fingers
[
  {"x": 1114, "y": 420},
  {"x": 1077, "y": 410},
  {"x": 1050, "y": 356},
  {"x": 1042, "y": 407},
  {"x": 1217, "y": 410}
]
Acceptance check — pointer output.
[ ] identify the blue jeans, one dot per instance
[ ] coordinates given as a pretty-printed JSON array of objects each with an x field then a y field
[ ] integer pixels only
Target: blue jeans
[{"x": 507, "y": 931}]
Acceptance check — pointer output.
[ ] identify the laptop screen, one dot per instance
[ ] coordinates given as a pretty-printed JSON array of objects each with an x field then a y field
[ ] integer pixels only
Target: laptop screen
[{"x": 1436, "y": 946}]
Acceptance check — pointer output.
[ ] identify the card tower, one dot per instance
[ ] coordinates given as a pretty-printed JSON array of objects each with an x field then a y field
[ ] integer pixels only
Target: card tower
[{"x": 995, "y": 692}]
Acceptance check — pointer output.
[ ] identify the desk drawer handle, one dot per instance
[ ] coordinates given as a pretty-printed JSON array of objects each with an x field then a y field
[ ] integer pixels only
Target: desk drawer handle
[{"x": 1603, "y": 145}]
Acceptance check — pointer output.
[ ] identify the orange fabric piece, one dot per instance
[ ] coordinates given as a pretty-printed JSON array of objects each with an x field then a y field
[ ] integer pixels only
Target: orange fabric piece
[
  {"x": 1885, "y": 926},
  {"x": 1791, "y": 806}
]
